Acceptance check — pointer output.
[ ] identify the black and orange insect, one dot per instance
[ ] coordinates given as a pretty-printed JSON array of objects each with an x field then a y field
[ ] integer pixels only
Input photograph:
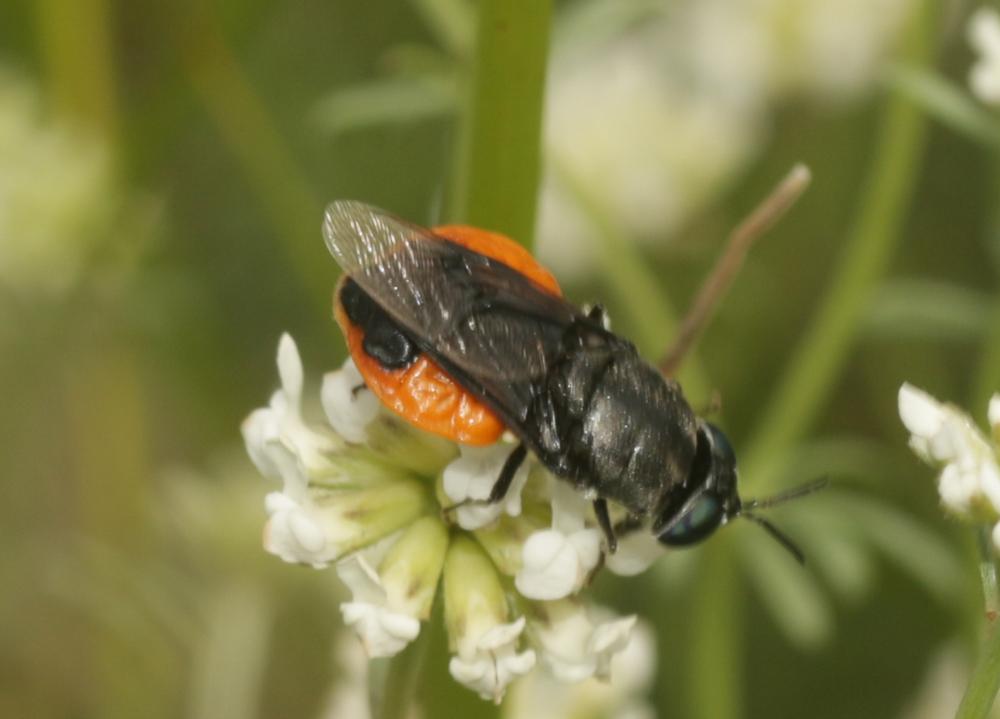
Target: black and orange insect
[{"x": 461, "y": 332}]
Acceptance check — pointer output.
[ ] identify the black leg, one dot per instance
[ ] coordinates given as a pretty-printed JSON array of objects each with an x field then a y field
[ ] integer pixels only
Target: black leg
[
  {"x": 501, "y": 486},
  {"x": 603, "y": 519},
  {"x": 359, "y": 388},
  {"x": 510, "y": 467}
]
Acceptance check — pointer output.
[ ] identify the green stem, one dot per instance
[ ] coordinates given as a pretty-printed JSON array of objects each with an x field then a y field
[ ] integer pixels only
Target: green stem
[
  {"x": 496, "y": 187},
  {"x": 498, "y": 166},
  {"x": 393, "y": 682},
  {"x": 988, "y": 572},
  {"x": 715, "y": 659},
  {"x": 247, "y": 127},
  {"x": 77, "y": 47},
  {"x": 824, "y": 349},
  {"x": 981, "y": 692}
]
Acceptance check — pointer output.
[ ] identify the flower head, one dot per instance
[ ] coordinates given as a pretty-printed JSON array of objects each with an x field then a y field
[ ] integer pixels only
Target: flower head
[
  {"x": 944, "y": 436},
  {"x": 374, "y": 497}
]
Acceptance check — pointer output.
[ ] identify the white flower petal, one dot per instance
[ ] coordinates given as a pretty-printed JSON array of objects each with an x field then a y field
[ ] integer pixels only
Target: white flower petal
[
  {"x": 921, "y": 414},
  {"x": 494, "y": 662},
  {"x": 573, "y": 647},
  {"x": 290, "y": 369},
  {"x": 362, "y": 579},
  {"x": 383, "y": 633},
  {"x": 636, "y": 552},
  {"x": 993, "y": 413},
  {"x": 554, "y": 565},
  {"x": 348, "y": 411},
  {"x": 607, "y": 641},
  {"x": 472, "y": 476},
  {"x": 383, "y": 630},
  {"x": 293, "y": 535},
  {"x": 260, "y": 429}
]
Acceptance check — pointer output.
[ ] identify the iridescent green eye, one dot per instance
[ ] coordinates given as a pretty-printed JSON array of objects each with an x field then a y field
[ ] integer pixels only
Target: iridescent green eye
[{"x": 703, "y": 518}]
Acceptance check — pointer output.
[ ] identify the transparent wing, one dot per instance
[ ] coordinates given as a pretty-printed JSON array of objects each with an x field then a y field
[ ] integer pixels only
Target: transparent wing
[{"x": 490, "y": 326}]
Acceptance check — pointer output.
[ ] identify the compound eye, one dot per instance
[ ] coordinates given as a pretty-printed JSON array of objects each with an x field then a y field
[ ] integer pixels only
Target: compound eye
[{"x": 700, "y": 520}]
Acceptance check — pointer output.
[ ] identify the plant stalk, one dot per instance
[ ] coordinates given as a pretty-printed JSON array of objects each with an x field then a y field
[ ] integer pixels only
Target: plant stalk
[{"x": 498, "y": 160}]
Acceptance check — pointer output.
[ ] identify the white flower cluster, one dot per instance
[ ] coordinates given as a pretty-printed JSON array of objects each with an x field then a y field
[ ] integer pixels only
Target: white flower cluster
[
  {"x": 944, "y": 436},
  {"x": 365, "y": 492}
]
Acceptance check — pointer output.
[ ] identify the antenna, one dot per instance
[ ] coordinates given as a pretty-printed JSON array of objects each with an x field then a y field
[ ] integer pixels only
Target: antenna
[
  {"x": 789, "y": 494},
  {"x": 794, "y": 493},
  {"x": 783, "y": 539}
]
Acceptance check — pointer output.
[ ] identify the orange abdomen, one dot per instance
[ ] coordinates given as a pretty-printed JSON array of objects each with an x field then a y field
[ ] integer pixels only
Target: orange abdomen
[{"x": 423, "y": 393}]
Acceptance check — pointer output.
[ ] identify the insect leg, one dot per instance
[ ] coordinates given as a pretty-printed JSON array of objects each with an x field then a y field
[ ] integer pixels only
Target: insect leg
[
  {"x": 501, "y": 486},
  {"x": 506, "y": 478},
  {"x": 604, "y": 519}
]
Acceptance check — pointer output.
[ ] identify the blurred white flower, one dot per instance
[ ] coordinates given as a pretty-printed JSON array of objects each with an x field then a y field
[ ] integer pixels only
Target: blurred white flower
[
  {"x": 944, "y": 436},
  {"x": 556, "y": 562},
  {"x": 984, "y": 37},
  {"x": 348, "y": 696},
  {"x": 617, "y": 695},
  {"x": 472, "y": 476},
  {"x": 58, "y": 197},
  {"x": 647, "y": 123}
]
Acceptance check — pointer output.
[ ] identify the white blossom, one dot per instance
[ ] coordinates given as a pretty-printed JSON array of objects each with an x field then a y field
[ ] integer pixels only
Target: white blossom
[
  {"x": 637, "y": 550},
  {"x": 482, "y": 636},
  {"x": 984, "y": 36},
  {"x": 389, "y": 602},
  {"x": 350, "y": 407},
  {"x": 969, "y": 483},
  {"x": 618, "y": 695},
  {"x": 292, "y": 534},
  {"x": 487, "y": 663},
  {"x": 573, "y": 647},
  {"x": 280, "y": 428},
  {"x": 383, "y": 632},
  {"x": 556, "y": 562},
  {"x": 471, "y": 476}
]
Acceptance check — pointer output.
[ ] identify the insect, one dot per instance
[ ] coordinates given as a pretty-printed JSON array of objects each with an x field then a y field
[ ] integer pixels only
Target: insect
[{"x": 463, "y": 333}]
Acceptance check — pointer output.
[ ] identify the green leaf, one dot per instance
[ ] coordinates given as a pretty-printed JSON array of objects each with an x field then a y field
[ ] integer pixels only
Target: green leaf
[
  {"x": 833, "y": 548},
  {"x": 790, "y": 592},
  {"x": 912, "y": 546},
  {"x": 947, "y": 103},
  {"x": 453, "y": 23},
  {"x": 928, "y": 309},
  {"x": 382, "y": 102},
  {"x": 853, "y": 458}
]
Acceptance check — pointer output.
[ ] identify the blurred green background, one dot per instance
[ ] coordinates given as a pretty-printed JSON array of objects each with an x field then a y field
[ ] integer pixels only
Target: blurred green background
[{"x": 163, "y": 168}]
